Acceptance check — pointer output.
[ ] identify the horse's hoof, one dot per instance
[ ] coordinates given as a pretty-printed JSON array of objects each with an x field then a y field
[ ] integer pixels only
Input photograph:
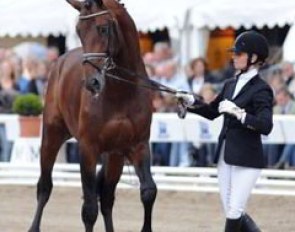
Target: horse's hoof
[
  {"x": 146, "y": 230},
  {"x": 34, "y": 230}
]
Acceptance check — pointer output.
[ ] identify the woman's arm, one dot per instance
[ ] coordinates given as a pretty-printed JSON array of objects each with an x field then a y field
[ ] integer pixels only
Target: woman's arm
[{"x": 261, "y": 120}]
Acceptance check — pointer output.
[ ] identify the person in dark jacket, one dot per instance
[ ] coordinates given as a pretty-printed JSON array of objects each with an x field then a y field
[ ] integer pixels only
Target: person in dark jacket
[{"x": 246, "y": 103}]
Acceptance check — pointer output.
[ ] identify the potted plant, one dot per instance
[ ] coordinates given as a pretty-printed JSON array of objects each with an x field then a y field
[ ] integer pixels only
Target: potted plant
[{"x": 29, "y": 107}]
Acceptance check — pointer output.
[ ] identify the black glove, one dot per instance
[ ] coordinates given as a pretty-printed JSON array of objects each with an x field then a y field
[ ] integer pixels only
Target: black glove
[{"x": 181, "y": 109}]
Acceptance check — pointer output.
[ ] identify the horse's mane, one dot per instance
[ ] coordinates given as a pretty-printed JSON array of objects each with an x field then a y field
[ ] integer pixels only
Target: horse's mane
[
  {"x": 100, "y": 2},
  {"x": 125, "y": 20},
  {"x": 119, "y": 10}
]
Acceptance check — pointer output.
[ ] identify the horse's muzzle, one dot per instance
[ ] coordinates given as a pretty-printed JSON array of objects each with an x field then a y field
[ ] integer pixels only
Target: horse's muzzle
[{"x": 95, "y": 83}]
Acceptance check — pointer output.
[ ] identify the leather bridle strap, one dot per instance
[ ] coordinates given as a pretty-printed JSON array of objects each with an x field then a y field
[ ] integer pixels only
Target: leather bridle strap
[
  {"x": 94, "y": 56},
  {"x": 83, "y": 17}
]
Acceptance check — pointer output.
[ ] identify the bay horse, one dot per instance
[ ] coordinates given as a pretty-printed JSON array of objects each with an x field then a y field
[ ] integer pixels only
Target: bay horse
[{"x": 94, "y": 95}]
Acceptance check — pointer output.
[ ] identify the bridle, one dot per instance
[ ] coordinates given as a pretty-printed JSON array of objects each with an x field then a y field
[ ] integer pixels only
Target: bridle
[
  {"x": 109, "y": 64},
  {"x": 88, "y": 57}
]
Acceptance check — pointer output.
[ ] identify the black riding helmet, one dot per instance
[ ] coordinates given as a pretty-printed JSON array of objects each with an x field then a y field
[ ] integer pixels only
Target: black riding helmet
[{"x": 251, "y": 42}]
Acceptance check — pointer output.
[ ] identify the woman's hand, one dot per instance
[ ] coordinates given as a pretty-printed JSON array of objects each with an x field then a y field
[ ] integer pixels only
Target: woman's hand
[
  {"x": 188, "y": 99},
  {"x": 231, "y": 108}
]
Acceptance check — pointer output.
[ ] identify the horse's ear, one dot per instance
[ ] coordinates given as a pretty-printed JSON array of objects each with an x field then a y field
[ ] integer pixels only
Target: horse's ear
[
  {"x": 99, "y": 3},
  {"x": 76, "y": 4}
]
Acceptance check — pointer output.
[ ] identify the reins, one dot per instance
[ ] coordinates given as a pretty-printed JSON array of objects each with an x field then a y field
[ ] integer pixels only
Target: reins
[
  {"x": 110, "y": 65},
  {"x": 148, "y": 83}
]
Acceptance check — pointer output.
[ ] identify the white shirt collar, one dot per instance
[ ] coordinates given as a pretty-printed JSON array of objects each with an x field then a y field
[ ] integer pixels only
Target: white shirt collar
[
  {"x": 198, "y": 80},
  {"x": 249, "y": 74},
  {"x": 243, "y": 80}
]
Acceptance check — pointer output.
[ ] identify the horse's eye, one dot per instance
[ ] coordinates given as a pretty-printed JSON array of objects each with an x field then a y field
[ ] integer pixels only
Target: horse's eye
[
  {"x": 100, "y": 3},
  {"x": 87, "y": 4},
  {"x": 103, "y": 30}
]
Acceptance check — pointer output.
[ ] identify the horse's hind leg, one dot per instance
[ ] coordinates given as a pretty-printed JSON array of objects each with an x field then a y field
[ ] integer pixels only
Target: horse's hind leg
[
  {"x": 107, "y": 180},
  {"x": 52, "y": 138},
  {"x": 141, "y": 160}
]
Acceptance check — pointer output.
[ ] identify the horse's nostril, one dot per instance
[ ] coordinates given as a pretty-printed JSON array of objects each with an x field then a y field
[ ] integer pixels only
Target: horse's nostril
[{"x": 95, "y": 83}]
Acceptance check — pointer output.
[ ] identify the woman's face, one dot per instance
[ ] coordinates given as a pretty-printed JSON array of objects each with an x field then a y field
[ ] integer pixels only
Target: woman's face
[
  {"x": 240, "y": 60},
  {"x": 199, "y": 68},
  {"x": 6, "y": 69}
]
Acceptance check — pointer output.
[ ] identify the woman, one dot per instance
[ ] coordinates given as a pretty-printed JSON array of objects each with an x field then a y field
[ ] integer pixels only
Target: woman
[
  {"x": 200, "y": 75},
  {"x": 246, "y": 102},
  {"x": 8, "y": 93}
]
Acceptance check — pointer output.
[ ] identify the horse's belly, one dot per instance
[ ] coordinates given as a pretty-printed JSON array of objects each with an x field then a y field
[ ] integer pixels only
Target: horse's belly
[{"x": 117, "y": 134}]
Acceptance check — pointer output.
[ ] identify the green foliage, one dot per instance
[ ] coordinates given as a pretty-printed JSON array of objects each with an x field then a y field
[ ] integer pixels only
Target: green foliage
[{"x": 27, "y": 105}]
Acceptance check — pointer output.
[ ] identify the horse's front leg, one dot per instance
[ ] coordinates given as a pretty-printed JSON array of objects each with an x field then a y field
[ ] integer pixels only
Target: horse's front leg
[
  {"x": 108, "y": 178},
  {"x": 88, "y": 178},
  {"x": 52, "y": 138},
  {"x": 141, "y": 159}
]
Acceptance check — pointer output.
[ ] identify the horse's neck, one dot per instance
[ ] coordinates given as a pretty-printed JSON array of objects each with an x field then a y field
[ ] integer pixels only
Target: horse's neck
[
  {"x": 120, "y": 92},
  {"x": 132, "y": 60}
]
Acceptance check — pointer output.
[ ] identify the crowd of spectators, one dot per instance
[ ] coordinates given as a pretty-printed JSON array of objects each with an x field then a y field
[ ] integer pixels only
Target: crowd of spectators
[
  {"x": 29, "y": 75},
  {"x": 20, "y": 76}
]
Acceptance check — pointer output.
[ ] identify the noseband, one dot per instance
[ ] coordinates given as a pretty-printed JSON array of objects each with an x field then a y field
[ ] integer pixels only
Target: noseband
[{"x": 83, "y": 17}]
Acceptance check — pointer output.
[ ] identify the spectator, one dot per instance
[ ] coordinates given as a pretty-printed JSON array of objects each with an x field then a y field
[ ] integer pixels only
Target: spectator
[
  {"x": 52, "y": 54},
  {"x": 200, "y": 75},
  {"x": 149, "y": 58},
  {"x": 228, "y": 71},
  {"x": 289, "y": 76},
  {"x": 8, "y": 88},
  {"x": 208, "y": 93},
  {"x": 276, "y": 82},
  {"x": 179, "y": 155},
  {"x": 171, "y": 76},
  {"x": 285, "y": 105},
  {"x": 29, "y": 71},
  {"x": 38, "y": 82},
  {"x": 8, "y": 92},
  {"x": 202, "y": 154},
  {"x": 151, "y": 72},
  {"x": 287, "y": 72},
  {"x": 162, "y": 52}
]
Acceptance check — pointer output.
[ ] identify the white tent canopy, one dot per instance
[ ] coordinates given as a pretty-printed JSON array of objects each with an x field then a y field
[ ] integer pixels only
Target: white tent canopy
[
  {"x": 193, "y": 17},
  {"x": 43, "y": 17},
  {"x": 247, "y": 13},
  {"x": 155, "y": 14},
  {"x": 34, "y": 17},
  {"x": 211, "y": 14}
]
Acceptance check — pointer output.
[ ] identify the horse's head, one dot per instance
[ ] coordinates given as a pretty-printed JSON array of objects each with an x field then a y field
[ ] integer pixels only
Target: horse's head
[
  {"x": 99, "y": 35},
  {"x": 110, "y": 39}
]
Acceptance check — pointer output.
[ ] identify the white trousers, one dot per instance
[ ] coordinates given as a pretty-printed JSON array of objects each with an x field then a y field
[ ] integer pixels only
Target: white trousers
[{"x": 235, "y": 185}]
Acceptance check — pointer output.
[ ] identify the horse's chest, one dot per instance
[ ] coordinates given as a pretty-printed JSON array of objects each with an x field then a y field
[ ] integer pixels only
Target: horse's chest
[
  {"x": 121, "y": 126},
  {"x": 119, "y": 133},
  {"x": 117, "y": 127}
]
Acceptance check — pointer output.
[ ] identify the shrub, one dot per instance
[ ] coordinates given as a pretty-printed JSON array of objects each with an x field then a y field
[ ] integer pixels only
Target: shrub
[{"x": 28, "y": 105}]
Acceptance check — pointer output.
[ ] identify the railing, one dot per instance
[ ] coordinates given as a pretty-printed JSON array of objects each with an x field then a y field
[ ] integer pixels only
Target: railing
[
  {"x": 167, "y": 127},
  {"x": 274, "y": 182}
]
